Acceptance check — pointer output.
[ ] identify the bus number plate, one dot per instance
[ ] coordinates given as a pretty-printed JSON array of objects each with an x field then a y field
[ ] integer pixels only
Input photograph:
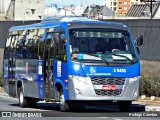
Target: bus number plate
[{"x": 109, "y": 87}]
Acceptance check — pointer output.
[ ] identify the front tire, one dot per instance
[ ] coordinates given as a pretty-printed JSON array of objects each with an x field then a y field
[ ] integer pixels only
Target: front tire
[
  {"x": 32, "y": 102},
  {"x": 125, "y": 106},
  {"x": 23, "y": 102},
  {"x": 64, "y": 106}
]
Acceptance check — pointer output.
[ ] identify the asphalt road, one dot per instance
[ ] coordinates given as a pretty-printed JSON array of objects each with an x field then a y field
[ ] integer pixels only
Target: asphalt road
[{"x": 50, "y": 110}]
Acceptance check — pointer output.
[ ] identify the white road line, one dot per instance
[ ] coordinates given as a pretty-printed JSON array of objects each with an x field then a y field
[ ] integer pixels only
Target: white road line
[
  {"x": 103, "y": 117},
  {"x": 116, "y": 119}
]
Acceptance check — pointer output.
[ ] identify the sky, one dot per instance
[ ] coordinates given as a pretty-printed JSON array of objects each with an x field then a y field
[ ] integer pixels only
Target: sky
[{"x": 74, "y": 2}]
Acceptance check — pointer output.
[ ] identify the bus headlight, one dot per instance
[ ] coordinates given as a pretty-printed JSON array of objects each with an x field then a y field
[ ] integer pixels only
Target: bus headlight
[
  {"x": 131, "y": 80},
  {"x": 80, "y": 78}
]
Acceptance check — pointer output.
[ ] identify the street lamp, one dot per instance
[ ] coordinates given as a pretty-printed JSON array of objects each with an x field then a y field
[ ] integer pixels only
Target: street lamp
[{"x": 25, "y": 11}]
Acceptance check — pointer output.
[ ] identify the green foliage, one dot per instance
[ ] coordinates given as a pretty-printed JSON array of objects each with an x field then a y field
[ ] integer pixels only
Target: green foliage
[{"x": 150, "y": 84}]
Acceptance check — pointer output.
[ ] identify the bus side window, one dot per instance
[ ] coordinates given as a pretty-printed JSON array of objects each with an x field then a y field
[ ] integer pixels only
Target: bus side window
[
  {"x": 7, "y": 47},
  {"x": 52, "y": 48},
  {"x": 29, "y": 44},
  {"x": 39, "y": 43},
  {"x": 60, "y": 49},
  {"x": 20, "y": 46},
  {"x": 10, "y": 44}
]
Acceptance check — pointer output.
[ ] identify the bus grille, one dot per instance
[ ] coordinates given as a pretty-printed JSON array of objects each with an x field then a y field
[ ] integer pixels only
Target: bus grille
[
  {"x": 108, "y": 93},
  {"x": 108, "y": 81}
]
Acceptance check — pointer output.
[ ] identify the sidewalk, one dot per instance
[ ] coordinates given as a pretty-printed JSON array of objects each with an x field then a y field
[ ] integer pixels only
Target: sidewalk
[
  {"x": 1, "y": 89},
  {"x": 150, "y": 105}
]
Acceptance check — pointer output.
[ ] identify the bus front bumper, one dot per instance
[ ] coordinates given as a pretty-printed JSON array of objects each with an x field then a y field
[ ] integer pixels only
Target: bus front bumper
[{"x": 84, "y": 90}]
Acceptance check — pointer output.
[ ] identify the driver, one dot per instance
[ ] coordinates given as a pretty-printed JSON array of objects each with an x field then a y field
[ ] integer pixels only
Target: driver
[{"x": 112, "y": 47}]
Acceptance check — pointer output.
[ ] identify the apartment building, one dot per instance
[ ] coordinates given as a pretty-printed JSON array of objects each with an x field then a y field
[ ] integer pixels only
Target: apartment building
[{"x": 120, "y": 6}]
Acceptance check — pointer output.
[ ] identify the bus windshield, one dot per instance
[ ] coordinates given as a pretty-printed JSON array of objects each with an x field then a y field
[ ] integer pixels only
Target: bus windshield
[{"x": 101, "y": 45}]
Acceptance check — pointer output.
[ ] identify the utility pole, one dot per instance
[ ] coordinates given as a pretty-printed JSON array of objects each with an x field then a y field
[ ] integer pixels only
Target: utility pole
[{"x": 151, "y": 6}]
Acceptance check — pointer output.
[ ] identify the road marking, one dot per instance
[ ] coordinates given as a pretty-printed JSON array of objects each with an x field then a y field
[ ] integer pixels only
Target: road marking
[
  {"x": 116, "y": 119},
  {"x": 110, "y": 117},
  {"x": 103, "y": 117}
]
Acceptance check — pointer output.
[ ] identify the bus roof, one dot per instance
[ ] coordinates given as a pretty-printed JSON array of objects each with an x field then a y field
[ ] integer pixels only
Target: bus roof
[{"x": 75, "y": 22}]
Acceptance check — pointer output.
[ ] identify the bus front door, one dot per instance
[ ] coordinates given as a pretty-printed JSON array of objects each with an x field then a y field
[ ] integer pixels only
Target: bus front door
[{"x": 48, "y": 67}]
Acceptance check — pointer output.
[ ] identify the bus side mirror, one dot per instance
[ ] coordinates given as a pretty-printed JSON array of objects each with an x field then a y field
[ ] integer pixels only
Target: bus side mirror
[{"x": 139, "y": 40}]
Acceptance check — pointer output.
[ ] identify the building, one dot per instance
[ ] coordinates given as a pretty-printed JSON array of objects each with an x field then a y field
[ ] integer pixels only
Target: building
[
  {"x": 25, "y": 10},
  {"x": 4, "y": 4},
  {"x": 79, "y": 10},
  {"x": 64, "y": 11},
  {"x": 123, "y": 7},
  {"x": 120, "y": 6},
  {"x": 51, "y": 11},
  {"x": 143, "y": 11},
  {"x": 99, "y": 12}
]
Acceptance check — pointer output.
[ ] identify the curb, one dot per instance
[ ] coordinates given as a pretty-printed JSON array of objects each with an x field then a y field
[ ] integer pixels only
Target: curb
[
  {"x": 148, "y": 107},
  {"x": 152, "y": 108}
]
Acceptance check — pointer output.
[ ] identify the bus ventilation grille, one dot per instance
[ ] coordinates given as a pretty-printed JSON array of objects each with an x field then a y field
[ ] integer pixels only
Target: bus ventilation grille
[
  {"x": 108, "y": 81},
  {"x": 108, "y": 93}
]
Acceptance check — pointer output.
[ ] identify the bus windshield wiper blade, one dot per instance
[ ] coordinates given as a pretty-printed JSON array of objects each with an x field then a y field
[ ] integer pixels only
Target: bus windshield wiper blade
[
  {"x": 105, "y": 61},
  {"x": 123, "y": 57}
]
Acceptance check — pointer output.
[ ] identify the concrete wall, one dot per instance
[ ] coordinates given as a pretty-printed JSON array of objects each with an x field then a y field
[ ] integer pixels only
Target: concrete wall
[
  {"x": 150, "y": 29},
  {"x": 23, "y": 12},
  {"x": 150, "y": 66}
]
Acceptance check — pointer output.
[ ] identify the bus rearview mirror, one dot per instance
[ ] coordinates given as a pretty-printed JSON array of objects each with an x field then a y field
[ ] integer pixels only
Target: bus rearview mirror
[{"x": 139, "y": 40}]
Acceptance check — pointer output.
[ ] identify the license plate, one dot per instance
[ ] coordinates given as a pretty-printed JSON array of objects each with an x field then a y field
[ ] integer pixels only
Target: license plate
[{"x": 109, "y": 87}]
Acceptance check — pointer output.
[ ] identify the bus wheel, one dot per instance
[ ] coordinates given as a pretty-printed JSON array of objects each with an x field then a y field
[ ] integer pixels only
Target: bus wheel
[
  {"x": 62, "y": 103},
  {"x": 124, "y": 106},
  {"x": 23, "y": 101}
]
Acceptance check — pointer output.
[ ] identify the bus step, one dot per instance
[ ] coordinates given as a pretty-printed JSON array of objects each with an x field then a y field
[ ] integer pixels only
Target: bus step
[{"x": 49, "y": 100}]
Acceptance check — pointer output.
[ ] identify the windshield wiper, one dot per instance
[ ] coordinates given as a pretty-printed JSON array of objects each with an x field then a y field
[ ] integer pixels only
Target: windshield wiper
[
  {"x": 123, "y": 57},
  {"x": 105, "y": 61}
]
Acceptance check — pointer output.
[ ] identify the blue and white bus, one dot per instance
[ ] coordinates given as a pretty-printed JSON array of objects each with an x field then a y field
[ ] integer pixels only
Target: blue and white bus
[{"x": 74, "y": 61}]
